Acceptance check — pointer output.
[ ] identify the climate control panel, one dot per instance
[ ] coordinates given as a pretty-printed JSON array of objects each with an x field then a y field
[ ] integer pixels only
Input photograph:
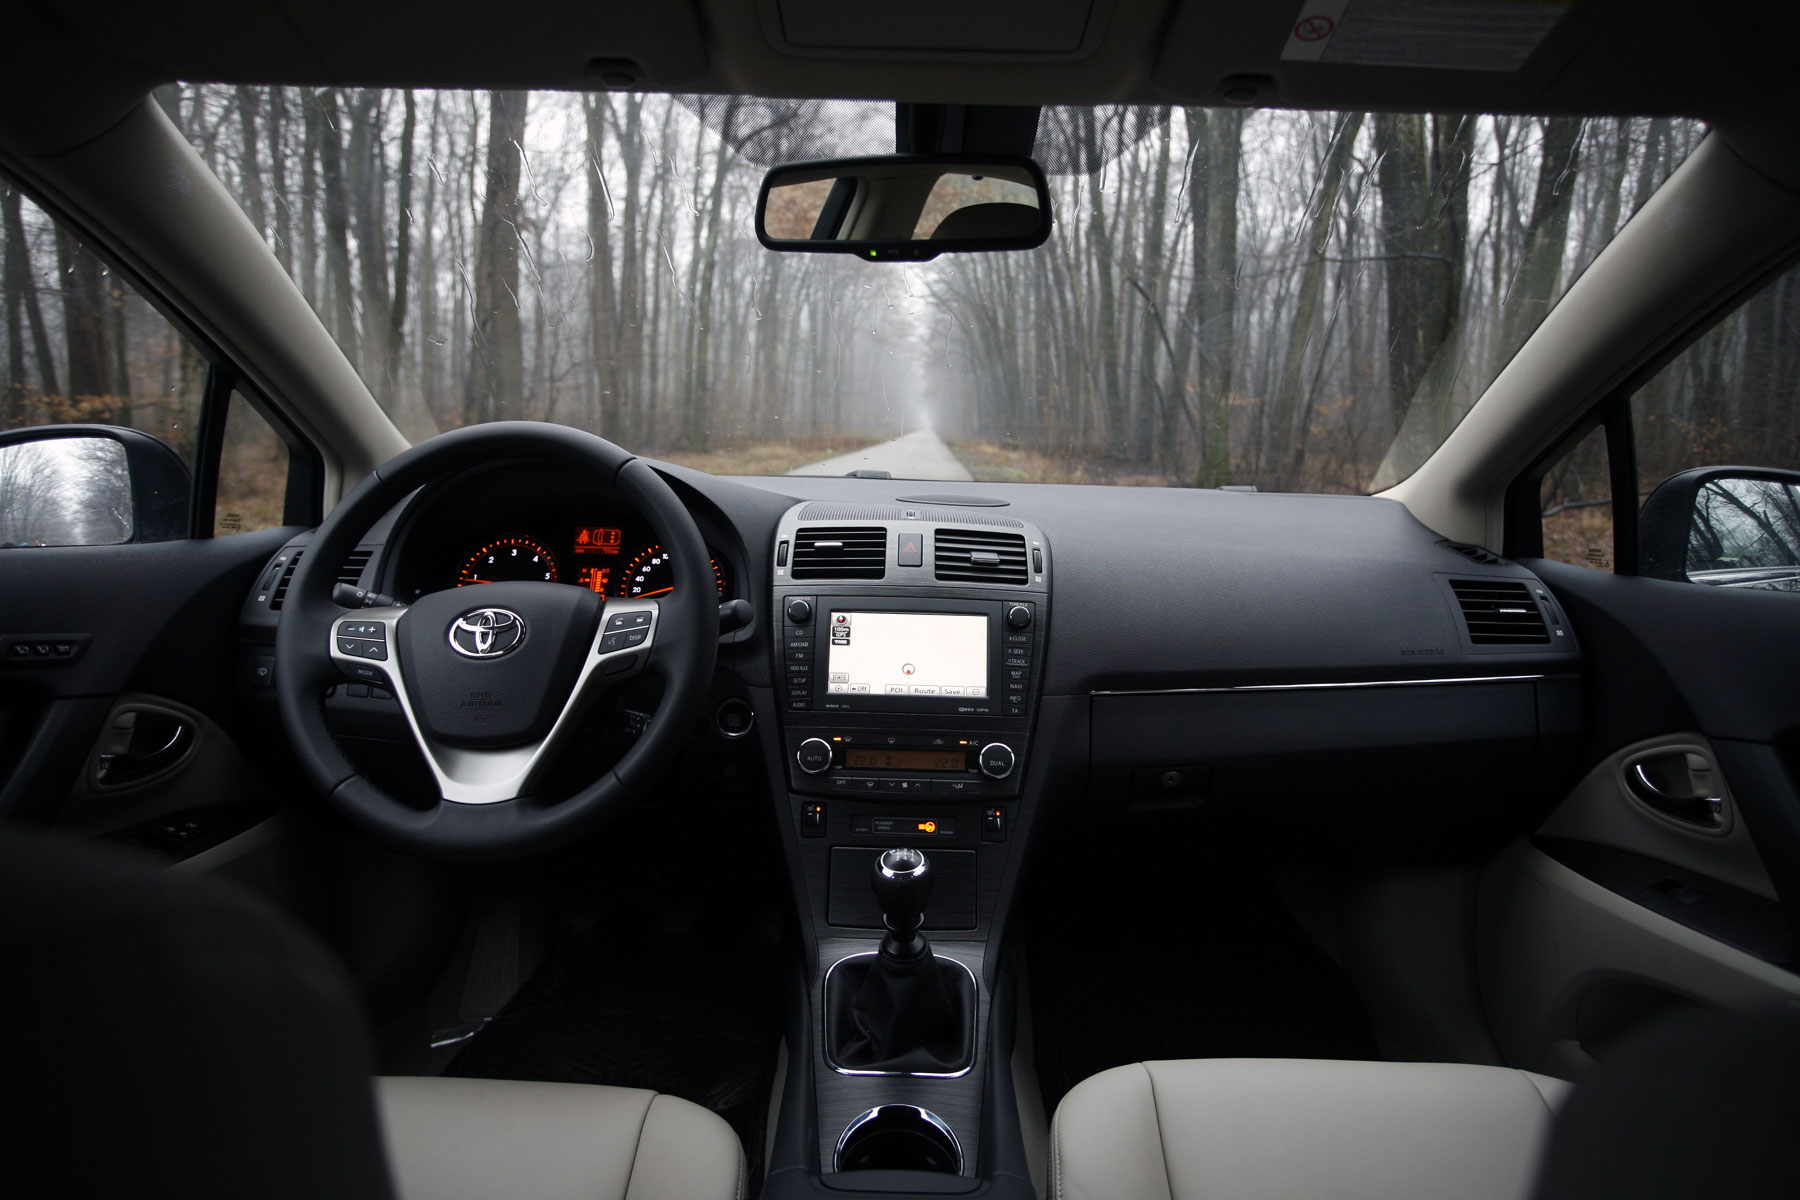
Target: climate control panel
[{"x": 934, "y": 762}]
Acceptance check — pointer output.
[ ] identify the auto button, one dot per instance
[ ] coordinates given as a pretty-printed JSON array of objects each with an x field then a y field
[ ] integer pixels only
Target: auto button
[{"x": 813, "y": 756}]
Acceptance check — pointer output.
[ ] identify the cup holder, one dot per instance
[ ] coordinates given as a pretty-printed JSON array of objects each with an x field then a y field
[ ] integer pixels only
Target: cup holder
[{"x": 898, "y": 1137}]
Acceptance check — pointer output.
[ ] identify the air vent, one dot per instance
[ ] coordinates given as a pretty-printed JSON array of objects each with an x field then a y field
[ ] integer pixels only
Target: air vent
[
  {"x": 849, "y": 553},
  {"x": 287, "y": 577},
  {"x": 981, "y": 557},
  {"x": 351, "y": 571},
  {"x": 1499, "y": 612},
  {"x": 1476, "y": 554}
]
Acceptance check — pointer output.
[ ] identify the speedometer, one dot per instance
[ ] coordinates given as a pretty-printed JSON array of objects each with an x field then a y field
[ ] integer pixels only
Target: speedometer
[
  {"x": 652, "y": 573},
  {"x": 509, "y": 559}
]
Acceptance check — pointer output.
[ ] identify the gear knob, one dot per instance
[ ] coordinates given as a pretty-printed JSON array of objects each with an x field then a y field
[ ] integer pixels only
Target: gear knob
[{"x": 902, "y": 884}]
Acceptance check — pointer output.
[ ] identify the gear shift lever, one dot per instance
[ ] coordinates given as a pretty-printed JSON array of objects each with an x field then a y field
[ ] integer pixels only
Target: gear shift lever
[
  {"x": 902, "y": 884},
  {"x": 902, "y": 1010}
]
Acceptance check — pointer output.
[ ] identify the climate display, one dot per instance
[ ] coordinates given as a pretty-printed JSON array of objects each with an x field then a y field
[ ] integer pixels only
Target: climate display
[
  {"x": 907, "y": 654},
  {"x": 903, "y": 760}
]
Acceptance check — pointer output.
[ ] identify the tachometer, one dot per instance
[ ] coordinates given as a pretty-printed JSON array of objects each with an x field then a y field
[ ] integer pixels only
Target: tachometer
[
  {"x": 652, "y": 573},
  {"x": 509, "y": 559}
]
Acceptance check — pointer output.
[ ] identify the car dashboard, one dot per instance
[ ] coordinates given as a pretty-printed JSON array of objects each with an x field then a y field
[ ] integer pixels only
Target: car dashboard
[
  {"x": 1317, "y": 679},
  {"x": 1316, "y": 668}
]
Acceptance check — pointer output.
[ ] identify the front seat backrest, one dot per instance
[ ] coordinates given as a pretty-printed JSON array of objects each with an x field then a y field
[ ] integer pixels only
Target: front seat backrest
[{"x": 173, "y": 1036}]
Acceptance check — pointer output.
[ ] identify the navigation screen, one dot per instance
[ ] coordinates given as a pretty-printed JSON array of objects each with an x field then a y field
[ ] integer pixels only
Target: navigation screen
[{"x": 907, "y": 654}]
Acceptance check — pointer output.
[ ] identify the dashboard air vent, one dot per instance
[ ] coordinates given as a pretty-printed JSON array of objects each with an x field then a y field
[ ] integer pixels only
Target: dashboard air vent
[
  {"x": 1499, "y": 612},
  {"x": 849, "y": 553},
  {"x": 981, "y": 556},
  {"x": 351, "y": 571},
  {"x": 287, "y": 577}
]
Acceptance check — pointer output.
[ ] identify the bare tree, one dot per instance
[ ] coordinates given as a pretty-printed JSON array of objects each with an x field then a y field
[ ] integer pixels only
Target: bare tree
[{"x": 496, "y": 382}]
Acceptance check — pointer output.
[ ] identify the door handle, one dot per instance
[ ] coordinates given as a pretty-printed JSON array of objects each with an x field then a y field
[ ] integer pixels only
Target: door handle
[
  {"x": 1678, "y": 783},
  {"x": 116, "y": 770}
]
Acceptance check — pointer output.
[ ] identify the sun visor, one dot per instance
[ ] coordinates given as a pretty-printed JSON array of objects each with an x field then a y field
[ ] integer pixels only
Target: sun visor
[
  {"x": 348, "y": 41},
  {"x": 1582, "y": 57},
  {"x": 1001, "y": 30}
]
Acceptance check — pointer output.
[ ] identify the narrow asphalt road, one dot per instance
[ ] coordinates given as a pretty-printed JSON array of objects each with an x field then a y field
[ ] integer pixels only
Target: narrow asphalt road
[{"x": 920, "y": 454}]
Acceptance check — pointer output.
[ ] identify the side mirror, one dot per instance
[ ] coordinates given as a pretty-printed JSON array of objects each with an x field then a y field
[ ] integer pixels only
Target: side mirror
[
  {"x": 1724, "y": 526},
  {"x": 903, "y": 207},
  {"x": 90, "y": 485}
]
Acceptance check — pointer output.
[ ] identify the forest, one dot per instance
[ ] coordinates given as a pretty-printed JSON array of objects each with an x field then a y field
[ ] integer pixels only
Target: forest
[{"x": 1290, "y": 300}]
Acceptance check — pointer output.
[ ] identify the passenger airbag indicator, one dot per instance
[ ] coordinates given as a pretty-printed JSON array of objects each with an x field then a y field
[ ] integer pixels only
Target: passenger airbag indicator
[{"x": 903, "y": 826}]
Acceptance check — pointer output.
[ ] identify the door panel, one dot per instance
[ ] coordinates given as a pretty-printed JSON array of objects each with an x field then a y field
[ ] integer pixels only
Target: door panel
[
  {"x": 1556, "y": 947},
  {"x": 158, "y": 620},
  {"x": 165, "y": 777},
  {"x": 1619, "y": 909},
  {"x": 1605, "y": 809}
]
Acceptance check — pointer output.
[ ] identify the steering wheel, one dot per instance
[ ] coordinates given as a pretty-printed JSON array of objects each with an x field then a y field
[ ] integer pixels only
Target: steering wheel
[{"x": 492, "y": 679}]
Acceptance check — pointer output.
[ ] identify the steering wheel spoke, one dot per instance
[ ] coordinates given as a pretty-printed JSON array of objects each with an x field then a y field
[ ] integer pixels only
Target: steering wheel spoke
[{"x": 365, "y": 645}]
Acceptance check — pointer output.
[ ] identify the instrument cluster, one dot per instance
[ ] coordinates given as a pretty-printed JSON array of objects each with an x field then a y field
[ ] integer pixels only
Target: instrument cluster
[
  {"x": 612, "y": 560},
  {"x": 513, "y": 522}
]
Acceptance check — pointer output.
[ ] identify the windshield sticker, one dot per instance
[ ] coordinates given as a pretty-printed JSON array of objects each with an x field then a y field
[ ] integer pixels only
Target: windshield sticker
[{"x": 1453, "y": 35}]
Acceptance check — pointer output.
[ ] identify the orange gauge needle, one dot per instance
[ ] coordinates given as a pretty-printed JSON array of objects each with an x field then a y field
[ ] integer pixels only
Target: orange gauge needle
[{"x": 657, "y": 592}]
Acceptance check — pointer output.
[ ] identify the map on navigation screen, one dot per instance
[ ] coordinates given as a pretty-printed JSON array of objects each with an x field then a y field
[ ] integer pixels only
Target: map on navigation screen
[{"x": 907, "y": 654}]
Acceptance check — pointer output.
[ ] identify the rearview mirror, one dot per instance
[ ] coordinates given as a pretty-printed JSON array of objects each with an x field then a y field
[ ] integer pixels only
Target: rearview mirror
[
  {"x": 905, "y": 208},
  {"x": 1725, "y": 526}
]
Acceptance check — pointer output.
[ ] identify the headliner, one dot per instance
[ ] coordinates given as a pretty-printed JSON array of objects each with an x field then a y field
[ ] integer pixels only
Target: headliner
[{"x": 70, "y": 68}]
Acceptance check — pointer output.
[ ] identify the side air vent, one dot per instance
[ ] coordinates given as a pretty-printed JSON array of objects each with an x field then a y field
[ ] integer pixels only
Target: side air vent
[
  {"x": 1499, "y": 612},
  {"x": 351, "y": 571},
  {"x": 287, "y": 577},
  {"x": 1476, "y": 554},
  {"x": 980, "y": 556},
  {"x": 848, "y": 553}
]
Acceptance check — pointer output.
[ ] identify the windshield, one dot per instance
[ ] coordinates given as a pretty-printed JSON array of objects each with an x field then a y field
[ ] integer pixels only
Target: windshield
[{"x": 1296, "y": 301}]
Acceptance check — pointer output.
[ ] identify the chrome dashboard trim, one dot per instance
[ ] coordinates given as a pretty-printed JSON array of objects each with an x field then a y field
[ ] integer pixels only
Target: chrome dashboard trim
[{"x": 1314, "y": 687}]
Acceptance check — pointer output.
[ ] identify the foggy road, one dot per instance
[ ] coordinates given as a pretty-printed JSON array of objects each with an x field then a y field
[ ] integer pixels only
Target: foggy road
[{"x": 920, "y": 454}]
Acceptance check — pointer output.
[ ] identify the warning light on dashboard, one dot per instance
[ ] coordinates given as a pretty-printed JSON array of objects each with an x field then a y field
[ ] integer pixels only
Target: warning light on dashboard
[
  {"x": 927, "y": 826},
  {"x": 596, "y": 539}
]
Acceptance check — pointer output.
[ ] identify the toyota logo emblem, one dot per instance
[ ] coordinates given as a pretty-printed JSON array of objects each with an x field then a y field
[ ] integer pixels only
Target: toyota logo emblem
[{"x": 487, "y": 633}]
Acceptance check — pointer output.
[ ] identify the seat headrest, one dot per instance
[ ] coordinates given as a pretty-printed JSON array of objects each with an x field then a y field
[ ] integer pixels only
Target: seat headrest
[{"x": 999, "y": 219}]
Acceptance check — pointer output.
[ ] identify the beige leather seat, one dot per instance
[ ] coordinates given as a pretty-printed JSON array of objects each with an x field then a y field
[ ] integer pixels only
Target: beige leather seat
[
  {"x": 1290, "y": 1128},
  {"x": 498, "y": 1139}
]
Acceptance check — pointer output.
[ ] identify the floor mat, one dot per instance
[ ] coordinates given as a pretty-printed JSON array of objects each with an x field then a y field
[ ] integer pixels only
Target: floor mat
[
  {"x": 1172, "y": 959},
  {"x": 665, "y": 988}
]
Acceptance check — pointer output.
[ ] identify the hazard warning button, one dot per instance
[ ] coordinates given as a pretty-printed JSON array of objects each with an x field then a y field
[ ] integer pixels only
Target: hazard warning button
[{"x": 911, "y": 548}]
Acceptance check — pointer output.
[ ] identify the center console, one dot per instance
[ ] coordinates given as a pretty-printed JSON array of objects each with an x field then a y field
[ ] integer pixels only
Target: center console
[
  {"x": 907, "y": 660},
  {"x": 907, "y": 695}
]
